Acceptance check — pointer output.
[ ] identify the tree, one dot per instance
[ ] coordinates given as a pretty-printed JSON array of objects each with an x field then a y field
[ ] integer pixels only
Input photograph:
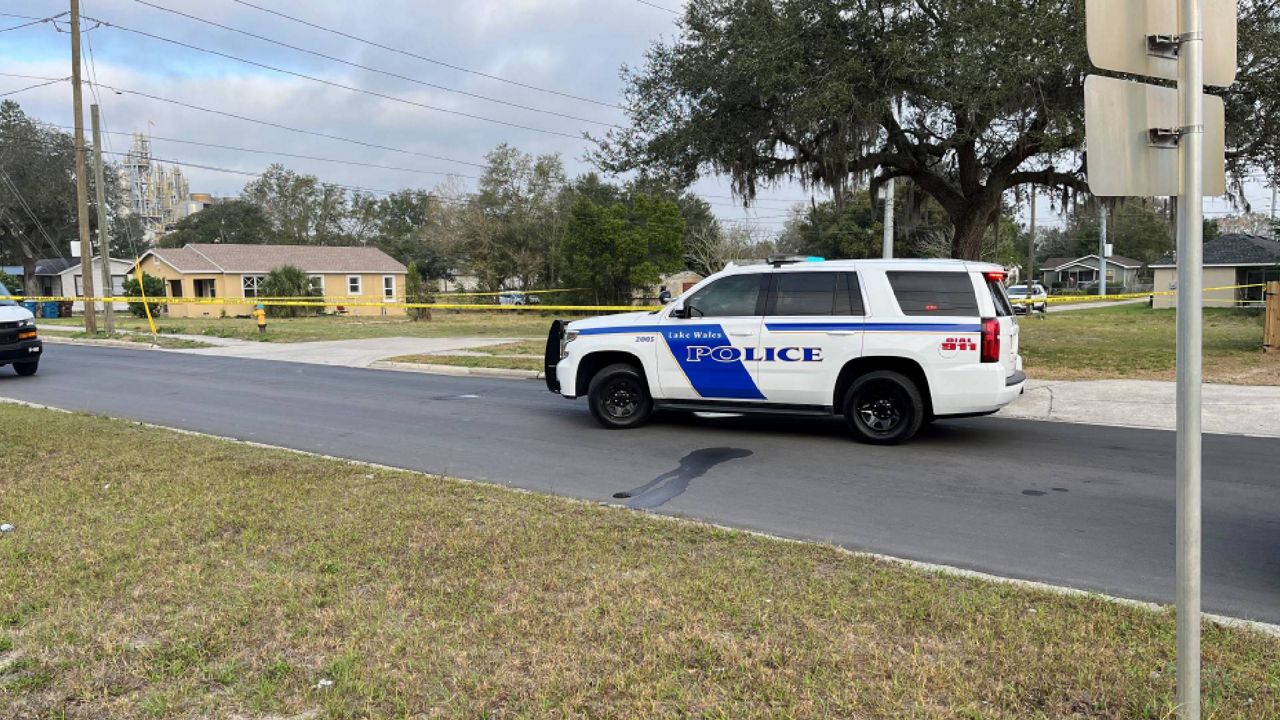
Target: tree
[
  {"x": 612, "y": 250},
  {"x": 235, "y": 221},
  {"x": 154, "y": 288},
  {"x": 711, "y": 248},
  {"x": 417, "y": 293},
  {"x": 289, "y": 281},
  {"x": 37, "y": 190},
  {"x": 300, "y": 210},
  {"x": 11, "y": 283},
  {"x": 966, "y": 99}
]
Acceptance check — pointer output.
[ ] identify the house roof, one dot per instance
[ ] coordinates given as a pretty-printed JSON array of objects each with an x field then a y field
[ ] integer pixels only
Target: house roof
[
  {"x": 1058, "y": 263},
  {"x": 231, "y": 258},
  {"x": 1233, "y": 249},
  {"x": 55, "y": 266}
]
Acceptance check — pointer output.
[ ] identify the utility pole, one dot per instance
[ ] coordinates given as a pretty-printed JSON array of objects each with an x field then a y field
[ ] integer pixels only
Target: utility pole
[
  {"x": 888, "y": 220},
  {"x": 1102, "y": 254},
  {"x": 82, "y": 182},
  {"x": 1031, "y": 257},
  {"x": 104, "y": 246},
  {"x": 1190, "y": 346}
]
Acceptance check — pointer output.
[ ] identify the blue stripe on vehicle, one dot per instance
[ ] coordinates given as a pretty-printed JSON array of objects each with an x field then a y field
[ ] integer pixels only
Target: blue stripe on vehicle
[
  {"x": 709, "y": 378},
  {"x": 878, "y": 327}
]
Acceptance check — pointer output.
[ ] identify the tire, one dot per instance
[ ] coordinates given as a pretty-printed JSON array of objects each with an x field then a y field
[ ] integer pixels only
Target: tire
[
  {"x": 26, "y": 369},
  {"x": 884, "y": 408},
  {"x": 619, "y": 397}
]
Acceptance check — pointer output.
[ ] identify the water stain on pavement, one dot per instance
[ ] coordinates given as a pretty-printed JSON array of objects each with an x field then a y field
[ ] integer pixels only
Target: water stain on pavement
[{"x": 666, "y": 486}]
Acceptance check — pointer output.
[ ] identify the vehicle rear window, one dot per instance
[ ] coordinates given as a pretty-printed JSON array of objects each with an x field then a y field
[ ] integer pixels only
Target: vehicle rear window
[
  {"x": 934, "y": 293},
  {"x": 815, "y": 293}
]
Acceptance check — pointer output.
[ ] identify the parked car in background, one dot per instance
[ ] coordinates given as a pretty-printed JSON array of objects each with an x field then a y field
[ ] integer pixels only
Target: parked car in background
[
  {"x": 1018, "y": 296},
  {"x": 518, "y": 298}
]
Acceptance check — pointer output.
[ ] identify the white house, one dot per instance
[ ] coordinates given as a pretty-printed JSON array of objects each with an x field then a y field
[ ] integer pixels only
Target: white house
[{"x": 61, "y": 277}]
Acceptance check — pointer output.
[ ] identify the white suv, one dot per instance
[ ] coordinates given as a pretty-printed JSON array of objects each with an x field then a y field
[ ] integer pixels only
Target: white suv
[{"x": 888, "y": 344}]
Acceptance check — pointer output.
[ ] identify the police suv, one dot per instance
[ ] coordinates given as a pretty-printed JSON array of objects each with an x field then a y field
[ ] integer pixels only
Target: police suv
[{"x": 888, "y": 344}]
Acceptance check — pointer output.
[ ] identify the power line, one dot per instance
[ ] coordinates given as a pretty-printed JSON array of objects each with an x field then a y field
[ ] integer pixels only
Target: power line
[
  {"x": 268, "y": 123},
  {"x": 424, "y": 58},
  {"x": 33, "y": 87},
  {"x": 388, "y": 73},
  {"x": 35, "y": 21},
  {"x": 658, "y": 7},
  {"x": 331, "y": 83},
  {"x": 298, "y": 156}
]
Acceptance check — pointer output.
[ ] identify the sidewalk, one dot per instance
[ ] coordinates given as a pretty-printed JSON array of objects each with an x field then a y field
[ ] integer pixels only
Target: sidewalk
[
  {"x": 1227, "y": 409},
  {"x": 346, "y": 353}
]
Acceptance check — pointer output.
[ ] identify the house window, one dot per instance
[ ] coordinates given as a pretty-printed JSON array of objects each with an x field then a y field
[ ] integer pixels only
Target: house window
[
  {"x": 315, "y": 285},
  {"x": 353, "y": 284},
  {"x": 205, "y": 288},
  {"x": 175, "y": 288},
  {"x": 388, "y": 287},
  {"x": 252, "y": 284}
]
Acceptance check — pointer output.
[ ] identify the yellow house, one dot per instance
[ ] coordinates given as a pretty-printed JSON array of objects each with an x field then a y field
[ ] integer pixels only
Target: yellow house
[
  {"x": 1229, "y": 260},
  {"x": 237, "y": 272}
]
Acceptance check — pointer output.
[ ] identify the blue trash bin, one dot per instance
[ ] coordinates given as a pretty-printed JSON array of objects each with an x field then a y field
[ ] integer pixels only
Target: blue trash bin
[
  {"x": 31, "y": 306},
  {"x": 49, "y": 309}
]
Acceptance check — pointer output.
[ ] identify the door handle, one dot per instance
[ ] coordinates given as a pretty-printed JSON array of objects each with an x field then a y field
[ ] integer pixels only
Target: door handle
[{"x": 741, "y": 333}]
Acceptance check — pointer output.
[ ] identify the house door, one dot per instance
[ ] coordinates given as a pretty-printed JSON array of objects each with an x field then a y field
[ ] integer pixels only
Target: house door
[{"x": 175, "y": 288}]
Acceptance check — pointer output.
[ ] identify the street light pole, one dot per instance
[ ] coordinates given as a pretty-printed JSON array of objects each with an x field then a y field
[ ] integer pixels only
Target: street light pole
[
  {"x": 888, "y": 220},
  {"x": 1189, "y": 348}
]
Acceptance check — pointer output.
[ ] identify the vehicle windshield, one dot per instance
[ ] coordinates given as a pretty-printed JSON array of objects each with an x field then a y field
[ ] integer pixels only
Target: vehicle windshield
[
  {"x": 4, "y": 292},
  {"x": 1018, "y": 289}
]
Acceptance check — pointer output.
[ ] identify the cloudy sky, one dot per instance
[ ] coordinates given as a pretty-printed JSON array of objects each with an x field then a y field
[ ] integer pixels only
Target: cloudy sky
[{"x": 561, "y": 47}]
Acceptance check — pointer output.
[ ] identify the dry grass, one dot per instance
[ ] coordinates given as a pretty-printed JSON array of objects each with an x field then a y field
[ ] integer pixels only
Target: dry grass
[
  {"x": 501, "y": 362},
  {"x": 153, "y": 574}
]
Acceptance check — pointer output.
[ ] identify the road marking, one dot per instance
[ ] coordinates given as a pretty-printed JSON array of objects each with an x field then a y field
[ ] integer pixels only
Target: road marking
[{"x": 949, "y": 570}]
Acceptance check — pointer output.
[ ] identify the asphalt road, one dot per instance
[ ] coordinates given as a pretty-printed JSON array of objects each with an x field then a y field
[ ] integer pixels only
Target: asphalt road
[{"x": 1084, "y": 506}]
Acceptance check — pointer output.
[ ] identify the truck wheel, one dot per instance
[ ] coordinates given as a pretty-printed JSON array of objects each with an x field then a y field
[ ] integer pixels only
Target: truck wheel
[
  {"x": 884, "y": 408},
  {"x": 619, "y": 397},
  {"x": 26, "y": 369}
]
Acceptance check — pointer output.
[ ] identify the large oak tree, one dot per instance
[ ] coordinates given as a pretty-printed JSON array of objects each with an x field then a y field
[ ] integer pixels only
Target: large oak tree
[{"x": 966, "y": 98}]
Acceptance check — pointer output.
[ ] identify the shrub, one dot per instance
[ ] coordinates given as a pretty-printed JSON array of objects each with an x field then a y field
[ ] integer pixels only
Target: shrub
[
  {"x": 154, "y": 287},
  {"x": 416, "y": 291},
  {"x": 289, "y": 281}
]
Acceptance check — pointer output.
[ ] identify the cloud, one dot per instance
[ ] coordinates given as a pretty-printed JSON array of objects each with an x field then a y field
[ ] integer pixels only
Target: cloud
[{"x": 574, "y": 46}]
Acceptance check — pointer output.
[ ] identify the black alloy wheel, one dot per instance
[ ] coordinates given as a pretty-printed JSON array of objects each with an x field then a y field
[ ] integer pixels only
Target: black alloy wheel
[
  {"x": 619, "y": 397},
  {"x": 884, "y": 408}
]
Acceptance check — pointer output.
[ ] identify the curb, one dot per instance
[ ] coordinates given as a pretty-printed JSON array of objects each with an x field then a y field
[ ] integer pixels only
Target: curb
[
  {"x": 457, "y": 370},
  {"x": 100, "y": 343}
]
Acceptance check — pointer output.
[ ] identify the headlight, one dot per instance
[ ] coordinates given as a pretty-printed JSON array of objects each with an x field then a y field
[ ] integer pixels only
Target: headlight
[
  {"x": 568, "y": 337},
  {"x": 26, "y": 323}
]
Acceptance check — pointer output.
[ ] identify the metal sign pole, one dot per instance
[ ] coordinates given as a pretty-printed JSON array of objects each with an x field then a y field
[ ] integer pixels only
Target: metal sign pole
[{"x": 1189, "y": 348}]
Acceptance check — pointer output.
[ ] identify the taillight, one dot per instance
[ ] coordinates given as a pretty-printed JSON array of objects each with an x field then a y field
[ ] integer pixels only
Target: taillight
[{"x": 990, "y": 340}]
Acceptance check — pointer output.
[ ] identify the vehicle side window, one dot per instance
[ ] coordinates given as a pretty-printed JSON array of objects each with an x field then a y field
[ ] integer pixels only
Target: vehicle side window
[
  {"x": 934, "y": 293},
  {"x": 733, "y": 296},
  {"x": 849, "y": 296},
  {"x": 803, "y": 293}
]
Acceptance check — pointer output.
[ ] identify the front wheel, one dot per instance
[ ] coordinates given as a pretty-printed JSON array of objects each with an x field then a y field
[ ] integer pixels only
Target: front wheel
[
  {"x": 884, "y": 408},
  {"x": 619, "y": 397},
  {"x": 26, "y": 369}
]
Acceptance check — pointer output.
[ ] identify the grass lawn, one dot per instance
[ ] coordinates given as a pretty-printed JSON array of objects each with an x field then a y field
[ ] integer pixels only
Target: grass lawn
[
  {"x": 156, "y": 574},
  {"x": 514, "y": 324},
  {"x": 522, "y": 355},
  {"x": 1133, "y": 341},
  {"x": 169, "y": 343}
]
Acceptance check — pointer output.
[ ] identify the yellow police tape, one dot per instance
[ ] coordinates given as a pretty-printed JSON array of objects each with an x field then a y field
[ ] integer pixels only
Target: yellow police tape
[{"x": 359, "y": 301}]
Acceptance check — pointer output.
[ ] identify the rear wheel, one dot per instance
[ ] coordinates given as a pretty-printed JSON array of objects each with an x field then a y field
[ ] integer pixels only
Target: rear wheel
[
  {"x": 26, "y": 369},
  {"x": 884, "y": 408},
  {"x": 619, "y": 397}
]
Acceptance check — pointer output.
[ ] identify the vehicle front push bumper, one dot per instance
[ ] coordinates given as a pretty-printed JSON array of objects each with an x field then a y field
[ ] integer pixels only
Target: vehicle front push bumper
[{"x": 21, "y": 351}]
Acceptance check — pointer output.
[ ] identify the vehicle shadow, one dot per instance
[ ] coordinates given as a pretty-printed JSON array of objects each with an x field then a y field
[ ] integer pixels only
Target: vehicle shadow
[{"x": 662, "y": 489}]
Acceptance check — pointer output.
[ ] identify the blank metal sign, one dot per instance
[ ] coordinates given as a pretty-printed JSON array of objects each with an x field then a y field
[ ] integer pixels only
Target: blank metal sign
[
  {"x": 1118, "y": 30},
  {"x": 1121, "y": 160}
]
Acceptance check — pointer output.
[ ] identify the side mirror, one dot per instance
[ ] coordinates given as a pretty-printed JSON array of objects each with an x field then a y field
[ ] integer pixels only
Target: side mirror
[{"x": 681, "y": 312}]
